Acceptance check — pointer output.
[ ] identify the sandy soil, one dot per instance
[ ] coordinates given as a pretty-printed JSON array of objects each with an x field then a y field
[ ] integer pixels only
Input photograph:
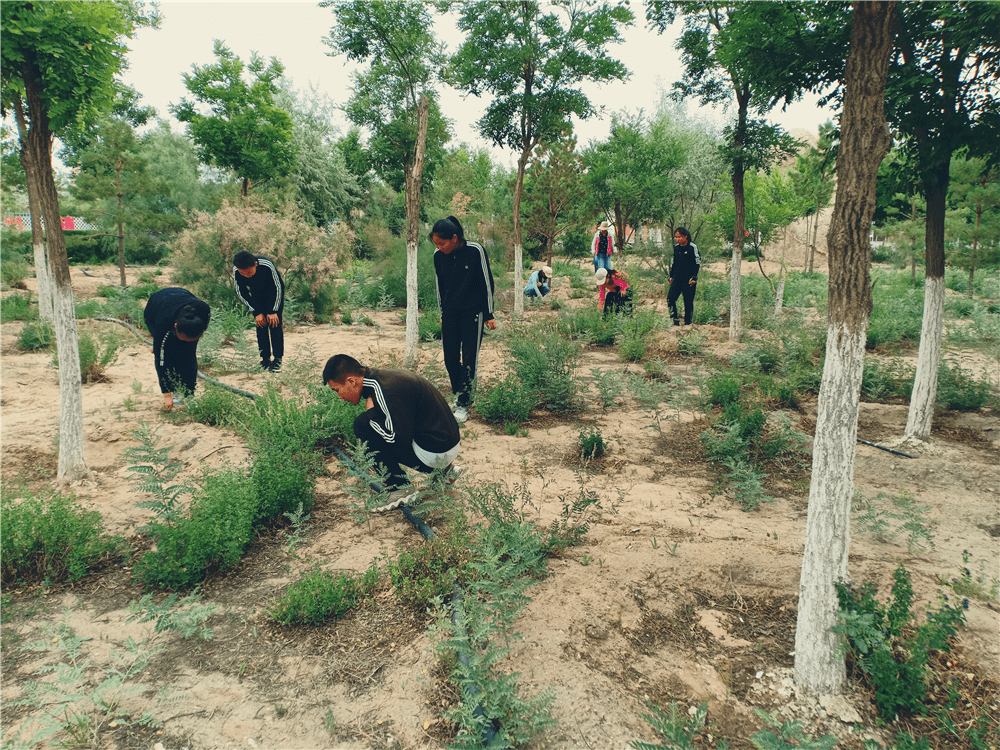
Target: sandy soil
[{"x": 676, "y": 594}]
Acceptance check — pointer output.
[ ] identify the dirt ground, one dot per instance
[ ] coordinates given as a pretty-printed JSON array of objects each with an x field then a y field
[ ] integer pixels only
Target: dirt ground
[{"x": 676, "y": 594}]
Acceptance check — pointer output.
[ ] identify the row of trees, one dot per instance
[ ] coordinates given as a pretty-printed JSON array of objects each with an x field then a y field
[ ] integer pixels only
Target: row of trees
[{"x": 928, "y": 69}]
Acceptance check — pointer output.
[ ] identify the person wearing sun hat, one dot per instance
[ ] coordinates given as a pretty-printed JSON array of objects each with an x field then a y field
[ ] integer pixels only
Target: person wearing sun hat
[
  {"x": 613, "y": 286},
  {"x": 603, "y": 247},
  {"x": 538, "y": 282}
]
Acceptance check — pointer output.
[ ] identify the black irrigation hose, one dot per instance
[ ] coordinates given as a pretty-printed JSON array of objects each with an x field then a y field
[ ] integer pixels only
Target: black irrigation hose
[
  {"x": 201, "y": 375},
  {"x": 887, "y": 450},
  {"x": 457, "y": 601}
]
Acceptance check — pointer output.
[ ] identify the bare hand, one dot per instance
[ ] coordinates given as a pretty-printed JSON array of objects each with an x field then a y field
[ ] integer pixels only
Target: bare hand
[
  {"x": 259, "y": 319},
  {"x": 692, "y": 282},
  {"x": 369, "y": 404},
  {"x": 491, "y": 324},
  {"x": 272, "y": 320}
]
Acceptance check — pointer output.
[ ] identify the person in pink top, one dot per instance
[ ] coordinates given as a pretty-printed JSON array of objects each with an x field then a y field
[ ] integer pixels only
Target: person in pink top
[{"x": 613, "y": 286}]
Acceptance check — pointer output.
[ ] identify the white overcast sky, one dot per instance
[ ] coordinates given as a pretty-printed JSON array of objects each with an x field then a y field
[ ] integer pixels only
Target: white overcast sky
[{"x": 292, "y": 31}]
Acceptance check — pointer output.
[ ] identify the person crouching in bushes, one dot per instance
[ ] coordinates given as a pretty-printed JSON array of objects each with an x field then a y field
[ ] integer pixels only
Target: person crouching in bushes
[
  {"x": 176, "y": 319},
  {"x": 538, "y": 282},
  {"x": 408, "y": 422},
  {"x": 613, "y": 286}
]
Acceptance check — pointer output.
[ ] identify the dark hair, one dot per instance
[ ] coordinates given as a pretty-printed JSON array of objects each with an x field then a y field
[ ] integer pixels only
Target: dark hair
[
  {"x": 189, "y": 322},
  {"x": 683, "y": 231},
  {"x": 339, "y": 366},
  {"x": 447, "y": 228},
  {"x": 244, "y": 260}
]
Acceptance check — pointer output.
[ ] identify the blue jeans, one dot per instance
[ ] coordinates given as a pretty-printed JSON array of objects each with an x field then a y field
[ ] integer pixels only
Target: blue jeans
[
  {"x": 533, "y": 292},
  {"x": 602, "y": 261}
]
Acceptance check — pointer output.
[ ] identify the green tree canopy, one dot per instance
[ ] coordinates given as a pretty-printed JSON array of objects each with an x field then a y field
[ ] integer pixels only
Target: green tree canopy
[{"x": 233, "y": 119}]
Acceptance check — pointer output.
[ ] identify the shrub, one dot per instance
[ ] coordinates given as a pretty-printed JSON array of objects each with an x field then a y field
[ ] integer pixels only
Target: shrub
[
  {"x": 320, "y": 596},
  {"x": 591, "y": 443},
  {"x": 723, "y": 388},
  {"x": 38, "y": 335},
  {"x": 428, "y": 572},
  {"x": 691, "y": 345},
  {"x": 14, "y": 271},
  {"x": 218, "y": 407},
  {"x": 546, "y": 363},
  {"x": 881, "y": 380},
  {"x": 215, "y": 535},
  {"x": 959, "y": 390},
  {"x": 50, "y": 537},
  {"x": 428, "y": 325},
  {"x": 589, "y": 324},
  {"x": 97, "y": 353},
  {"x": 305, "y": 255},
  {"x": 892, "y": 653},
  {"x": 17, "y": 307},
  {"x": 504, "y": 401}
]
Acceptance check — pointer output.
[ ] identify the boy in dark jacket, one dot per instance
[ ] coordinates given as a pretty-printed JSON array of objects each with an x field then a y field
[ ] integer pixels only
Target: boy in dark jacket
[
  {"x": 683, "y": 275},
  {"x": 176, "y": 319},
  {"x": 465, "y": 297},
  {"x": 407, "y": 422},
  {"x": 259, "y": 285}
]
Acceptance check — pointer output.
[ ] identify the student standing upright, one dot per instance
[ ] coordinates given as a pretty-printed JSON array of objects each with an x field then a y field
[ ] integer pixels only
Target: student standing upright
[
  {"x": 683, "y": 275},
  {"x": 465, "y": 297},
  {"x": 259, "y": 285}
]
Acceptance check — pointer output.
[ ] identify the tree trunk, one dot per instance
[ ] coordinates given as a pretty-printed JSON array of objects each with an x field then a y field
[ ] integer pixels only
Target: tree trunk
[
  {"x": 735, "y": 299},
  {"x": 43, "y": 274},
  {"x": 414, "y": 176},
  {"x": 812, "y": 247},
  {"x": 864, "y": 142},
  {"x": 522, "y": 164},
  {"x": 121, "y": 226},
  {"x": 918, "y": 420},
  {"x": 619, "y": 228},
  {"x": 779, "y": 297},
  {"x": 72, "y": 465}
]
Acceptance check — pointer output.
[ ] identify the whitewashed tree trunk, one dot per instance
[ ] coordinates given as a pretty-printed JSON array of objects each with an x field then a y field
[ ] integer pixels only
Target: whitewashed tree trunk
[
  {"x": 735, "y": 304},
  {"x": 413, "y": 182},
  {"x": 779, "y": 298},
  {"x": 43, "y": 279},
  {"x": 518, "y": 279},
  {"x": 864, "y": 142},
  {"x": 72, "y": 465},
  {"x": 828, "y": 522},
  {"x": 924, "y": 395}
]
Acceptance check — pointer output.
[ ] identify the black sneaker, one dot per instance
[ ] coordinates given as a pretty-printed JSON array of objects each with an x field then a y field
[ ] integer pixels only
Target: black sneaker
[
  {"x": 275, "y": 365},
  {"x": 265, "y": 364}
]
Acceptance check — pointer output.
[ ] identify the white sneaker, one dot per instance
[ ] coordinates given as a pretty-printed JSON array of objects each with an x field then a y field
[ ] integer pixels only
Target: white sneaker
[
  {"x": 461, "y": 414},
  {"x": 402, "y": 496}
]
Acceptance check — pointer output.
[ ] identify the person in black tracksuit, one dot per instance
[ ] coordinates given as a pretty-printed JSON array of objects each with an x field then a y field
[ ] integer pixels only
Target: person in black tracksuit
[
  {"x": 259, "y": 285},
  {"x": 176, "y": 319},
  {"x": 683, "y": 275},
  {"x": 407, "y": 421},
  {"x": 465, "y": 297}
]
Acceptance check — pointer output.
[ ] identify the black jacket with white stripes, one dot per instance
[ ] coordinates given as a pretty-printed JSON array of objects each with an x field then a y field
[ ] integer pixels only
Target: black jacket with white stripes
[
  {"x": 464, "y": 281},
  {"x": 264, "y": 292},
  {"x": 176, "y": 361},
  {"x": 406, "y": 408}
]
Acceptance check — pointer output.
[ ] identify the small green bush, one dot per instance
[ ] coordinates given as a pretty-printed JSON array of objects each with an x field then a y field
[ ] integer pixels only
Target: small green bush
[
  {"x": 427, "y": 572},
  {"x": 591, "y": 443},
  {"x": 13, "y": 271},
  {"x": 48, "y": 537},
  {"x": 546, "y": 363},
  {"x": 504, "y": 401},
  {"x": 320, "y": 596},
  {"x": 214, "y": 537},
  {"x": 959, "y": 390},
  {"x": 429, "y": 326},
  {"x": 219, "y": 407},
  {"x": 37, "y": 335},
  {"x": 723, "y": 388},
  {"x": 882, "y": 380},
  {"x": 893, "y": 654},
  {"x": 17, "y": 307}
]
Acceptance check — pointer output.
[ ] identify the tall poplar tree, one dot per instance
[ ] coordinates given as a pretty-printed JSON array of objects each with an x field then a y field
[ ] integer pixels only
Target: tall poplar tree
[
  {"x": 864, "y": 141},
  {"x": 58, "y": 65},
  {"x": 531, "y": 59},
  {"x": 716, "y": 76},
  {"x": 393, "y": 98}
]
